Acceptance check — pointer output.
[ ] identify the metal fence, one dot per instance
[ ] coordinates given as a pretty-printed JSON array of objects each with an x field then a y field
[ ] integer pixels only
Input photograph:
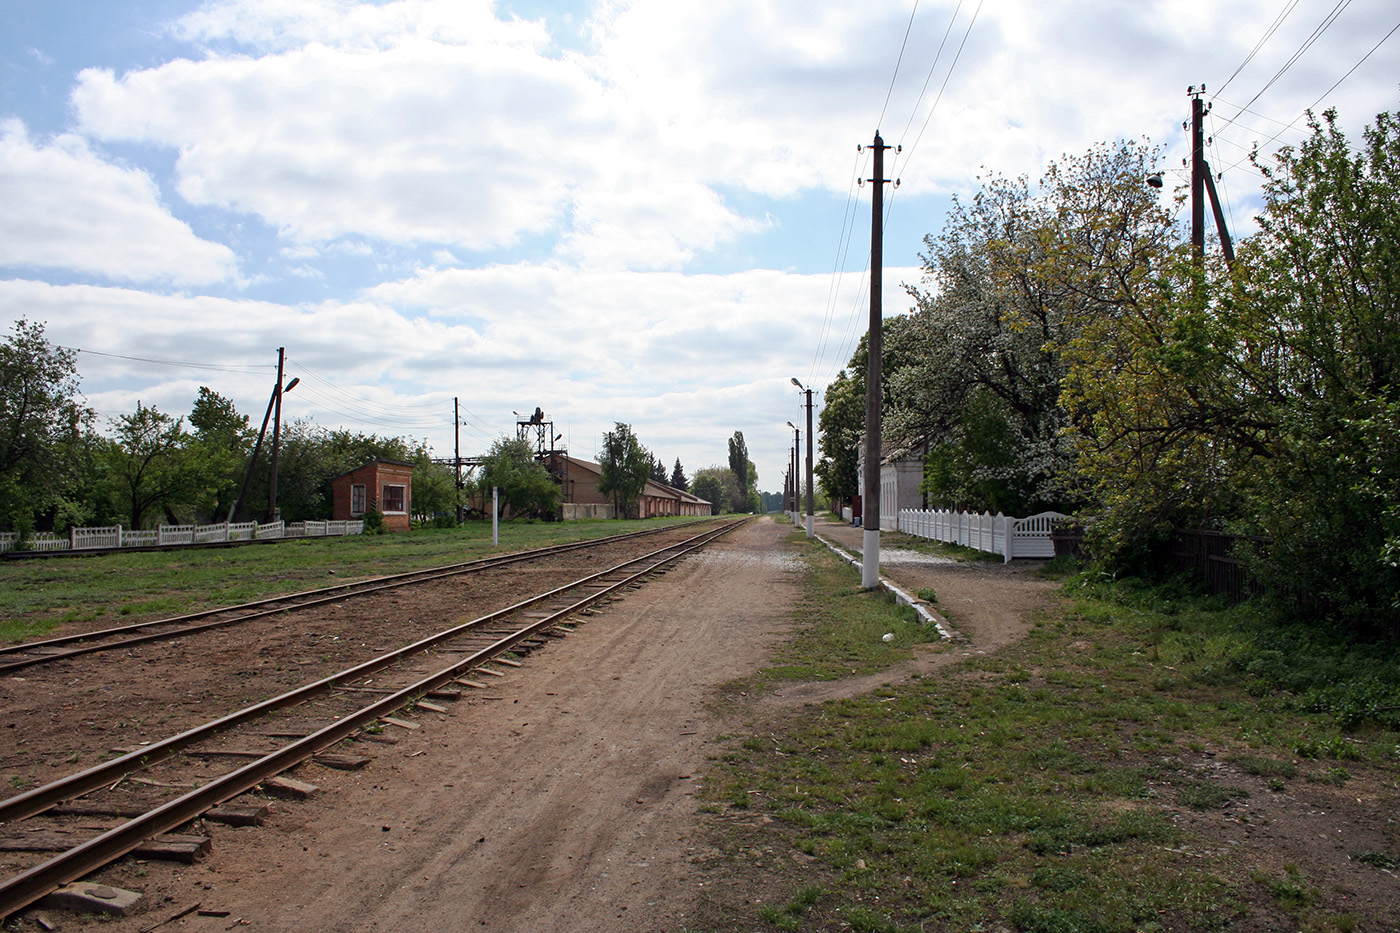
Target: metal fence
[{"x": 115, "y": 536}]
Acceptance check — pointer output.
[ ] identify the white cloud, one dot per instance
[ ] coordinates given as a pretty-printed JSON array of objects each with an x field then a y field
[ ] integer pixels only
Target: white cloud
[{"x": 66, "y": 208}]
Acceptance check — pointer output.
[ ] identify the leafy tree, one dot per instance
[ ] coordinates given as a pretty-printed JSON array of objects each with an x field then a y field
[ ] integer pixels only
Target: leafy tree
[
  {"x": 717, "y": 486},
  {"x": 678, "y": 479},
  {"x": 435, "y": 496},
  {"x": 42, "y": 423},
  {"x": 218, "y": 452},
  {"x": 1019, "y": 276},
  {"x": 745, "y": 495},
  {"x": 146, "y": 464},
  {"x": 525, "y": 485},
  {"x": 841, "y": 424},
  {"x": 626, "y": 467}
]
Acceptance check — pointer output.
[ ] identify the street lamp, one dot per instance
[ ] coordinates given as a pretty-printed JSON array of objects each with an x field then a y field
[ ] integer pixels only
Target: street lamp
[{"x": 810, "y": 520}]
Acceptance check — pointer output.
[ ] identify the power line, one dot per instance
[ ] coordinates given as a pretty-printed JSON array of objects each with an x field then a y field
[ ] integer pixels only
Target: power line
[
  {"x": 184, "y": 364},
  {"x": 1311, "y": 107},
  {"x": 843, "y": 246},
  {"x": 897, "y": 61},
  {"x": 1273, "y": 27},
  {"x": 1298, "y": 53},
  {"x": 914, "y": 111}
]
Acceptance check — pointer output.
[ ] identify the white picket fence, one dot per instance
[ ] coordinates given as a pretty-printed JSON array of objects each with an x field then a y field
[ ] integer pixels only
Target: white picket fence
[
  {"x": 997, "y": 534},
  {"x": 115, "y": 536}
]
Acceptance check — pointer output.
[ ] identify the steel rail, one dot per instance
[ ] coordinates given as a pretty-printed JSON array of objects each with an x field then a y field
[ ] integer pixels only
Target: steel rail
[
  {"x": 42, "y": 798},
  {"x": 36, "y": 882},
  {"x": 277, "y": 604}
]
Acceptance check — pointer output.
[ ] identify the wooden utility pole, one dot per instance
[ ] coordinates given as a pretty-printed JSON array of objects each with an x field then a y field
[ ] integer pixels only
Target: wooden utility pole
[
  {"x": 457, "y": 457},
  {"x": 870, "y": 504},
  {"x": 276, "y": 437},
  {"x": 1203, "y": 183}
]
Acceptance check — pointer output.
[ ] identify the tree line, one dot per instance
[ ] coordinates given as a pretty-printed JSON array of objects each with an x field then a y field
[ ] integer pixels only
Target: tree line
[
  {"x": 57, "y": 470},
  {"x": 1069, "y": 349}
]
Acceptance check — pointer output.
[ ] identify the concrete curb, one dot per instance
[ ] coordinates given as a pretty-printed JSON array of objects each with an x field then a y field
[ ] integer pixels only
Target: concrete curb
[{"x": 927, "y": 613}]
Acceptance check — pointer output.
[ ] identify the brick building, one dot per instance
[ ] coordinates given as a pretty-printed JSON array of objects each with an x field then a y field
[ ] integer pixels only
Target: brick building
[{"x": 386, "y": 485}]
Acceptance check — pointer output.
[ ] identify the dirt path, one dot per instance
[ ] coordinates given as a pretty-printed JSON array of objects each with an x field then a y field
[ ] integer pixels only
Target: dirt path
[
  {"x": 987, "y": 605},
  {"x": 567, "y": 803}
]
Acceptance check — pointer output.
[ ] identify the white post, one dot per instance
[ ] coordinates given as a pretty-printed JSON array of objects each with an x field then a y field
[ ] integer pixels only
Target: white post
[{"x": 495, "y": 516}]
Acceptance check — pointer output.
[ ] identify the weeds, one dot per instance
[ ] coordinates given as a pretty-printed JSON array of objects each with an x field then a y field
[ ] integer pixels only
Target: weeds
[{"x": 1035, "y": 793}]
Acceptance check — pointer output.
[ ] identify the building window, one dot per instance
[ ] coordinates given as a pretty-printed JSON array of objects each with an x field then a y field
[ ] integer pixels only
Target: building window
[
  {"x": 393, "y": 499},
  {"x": 357, "y": 499}
]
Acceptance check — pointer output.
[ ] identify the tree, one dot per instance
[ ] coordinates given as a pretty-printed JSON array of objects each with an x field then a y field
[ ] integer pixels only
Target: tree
[
  {"x": 524, "y": 484},
  {"x": 678, "y": 479},
  {"x": 626, "y": 467},
  {"x": 745, "y": 497},
  {"x": 658, "y": 469},
  {"x": 841, "y": 423},
  {"x": 1019, "y": 276},
  {"x": 146, "y": 463},
  {"x": 41, "y": 422},
  {"x": 717, "y": 486},
  {"x": 218, "y": 452},
  {"x": 435, "y": 498}
]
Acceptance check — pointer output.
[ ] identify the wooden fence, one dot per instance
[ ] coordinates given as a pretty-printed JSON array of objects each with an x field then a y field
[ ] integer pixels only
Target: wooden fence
[
  {"x": 1214, "y": 556},
  {"x": 115, "y": 536},
  {"x": 997, "y": 534}
]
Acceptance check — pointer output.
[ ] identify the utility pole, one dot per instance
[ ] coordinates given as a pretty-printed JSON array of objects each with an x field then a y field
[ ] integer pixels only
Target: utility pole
[
  {"x": 457, "y": 457},
  {"x": 870, "y": 504},
  {"x": 1203, "y": 183},
  {"x": 272, "y": 512},
  {"x": 810, "y": 523}
]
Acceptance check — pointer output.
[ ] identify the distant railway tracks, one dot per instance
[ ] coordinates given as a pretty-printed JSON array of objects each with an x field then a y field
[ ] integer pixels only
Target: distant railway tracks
[
  {"x": 69, "y": 827},
  {"x": 29, "y": 654}
]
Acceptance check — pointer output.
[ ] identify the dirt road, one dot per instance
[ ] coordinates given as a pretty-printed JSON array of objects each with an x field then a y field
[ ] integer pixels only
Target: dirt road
[{"x": 566, "y": 804}]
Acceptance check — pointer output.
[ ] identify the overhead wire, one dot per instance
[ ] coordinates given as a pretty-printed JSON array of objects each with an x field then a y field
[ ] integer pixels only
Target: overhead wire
[
  {"x": 897, "y": 62},
  {"x": 247, "y": 368},
  {"x": 907, "y": 153},
  {"x": 1298, "y": 53},
  {"x": 1268, "y": 33},
  {"x": 1286, "y": 127},
  {"x": 843, "y": 246}
]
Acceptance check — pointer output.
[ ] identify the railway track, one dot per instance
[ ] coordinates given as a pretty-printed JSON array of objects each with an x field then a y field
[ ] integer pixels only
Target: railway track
[
  {"x": 159, "y": 787},
  {"x": 46, "y": 651}
]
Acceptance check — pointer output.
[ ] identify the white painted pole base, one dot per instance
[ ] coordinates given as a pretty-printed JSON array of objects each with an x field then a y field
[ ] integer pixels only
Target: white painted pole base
[
  {"x": 870, "y": 559},
  {"x": 810, "y": 525}
]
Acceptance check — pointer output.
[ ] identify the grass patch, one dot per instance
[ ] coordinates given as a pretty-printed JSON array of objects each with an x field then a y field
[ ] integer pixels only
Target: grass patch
[
  {"x": 37, "y": 595},
  {"x": 1034, "y": 790},
  {"x": 841, "y": 628}
]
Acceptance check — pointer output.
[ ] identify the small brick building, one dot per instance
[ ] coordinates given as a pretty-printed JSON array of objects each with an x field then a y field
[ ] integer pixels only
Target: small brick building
[{"x": 386, "y": 485}]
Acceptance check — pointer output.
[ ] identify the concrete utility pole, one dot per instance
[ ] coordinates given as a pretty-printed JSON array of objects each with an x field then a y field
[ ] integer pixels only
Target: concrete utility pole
[
  {"x": 870, "y": 503},
  {"x": 811, "y": 521}
]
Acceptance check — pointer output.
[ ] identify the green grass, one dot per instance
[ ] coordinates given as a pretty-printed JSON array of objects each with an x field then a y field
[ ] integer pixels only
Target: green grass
[
  {"x": 842, "y": 627},
  {"x": 1027, "y": 791},
  {"x": 37, "y": 595}
]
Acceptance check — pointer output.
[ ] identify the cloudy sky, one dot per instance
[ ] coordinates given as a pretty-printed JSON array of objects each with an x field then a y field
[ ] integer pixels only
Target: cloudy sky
[{"x": 642, "y": 211}]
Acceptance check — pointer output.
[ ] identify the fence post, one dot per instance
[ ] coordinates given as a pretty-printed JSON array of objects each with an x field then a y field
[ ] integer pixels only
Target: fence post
[{"x": 1009, "y": 525}]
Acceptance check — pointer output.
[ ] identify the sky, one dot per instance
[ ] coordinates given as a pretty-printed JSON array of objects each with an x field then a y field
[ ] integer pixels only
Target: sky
[{"x": 636, "y": 211}]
